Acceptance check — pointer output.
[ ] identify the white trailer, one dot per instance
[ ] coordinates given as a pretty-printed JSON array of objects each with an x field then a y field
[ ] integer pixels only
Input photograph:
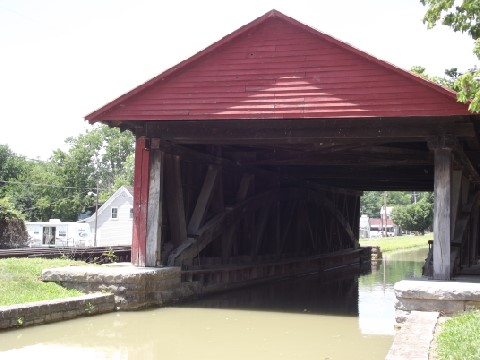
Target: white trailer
[{"x": 55, "y": 233}]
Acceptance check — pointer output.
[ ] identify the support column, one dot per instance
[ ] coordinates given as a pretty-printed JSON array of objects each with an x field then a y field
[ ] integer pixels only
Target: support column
[
  {"x": 442, "y": 212},
  {"x": 140, "y": 201},
  {"x": 155, "y": 207}
]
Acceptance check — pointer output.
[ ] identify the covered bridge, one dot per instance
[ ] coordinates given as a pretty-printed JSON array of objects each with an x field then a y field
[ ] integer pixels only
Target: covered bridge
[{"x": 257, "y": 149}]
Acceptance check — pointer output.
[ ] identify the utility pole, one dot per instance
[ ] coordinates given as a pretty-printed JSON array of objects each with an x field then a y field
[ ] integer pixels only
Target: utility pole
[
  {"x": 96, "y": 215},
  {"x": 385, "y": 213}
]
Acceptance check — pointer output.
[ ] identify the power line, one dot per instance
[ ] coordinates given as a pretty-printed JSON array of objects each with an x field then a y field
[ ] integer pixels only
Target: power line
[{"x": 47, "y": 185}]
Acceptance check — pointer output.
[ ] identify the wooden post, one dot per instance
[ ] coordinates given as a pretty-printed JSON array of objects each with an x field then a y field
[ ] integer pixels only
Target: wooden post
[
  {"x": 442, "y": 213},
  {"x": 140, "y": 201},
  {"x": 203, "y": 200},
  {"x": 174, "y": 197},
  {"x": 155, "y": 207}
]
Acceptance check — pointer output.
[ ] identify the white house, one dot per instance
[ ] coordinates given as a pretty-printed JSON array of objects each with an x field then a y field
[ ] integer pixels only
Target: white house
[
  {"x": 56, "y": 233},
  {"x": 364, "y": 226},
  {"x": 114, "y": 219}
]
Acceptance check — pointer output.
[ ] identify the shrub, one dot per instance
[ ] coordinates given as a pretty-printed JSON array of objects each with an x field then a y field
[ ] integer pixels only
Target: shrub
[{"x": 13, "y": 233}]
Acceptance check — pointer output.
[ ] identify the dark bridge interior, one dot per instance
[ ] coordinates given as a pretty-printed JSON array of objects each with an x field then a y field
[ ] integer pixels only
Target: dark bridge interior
[{"x": 252, "y": 155}]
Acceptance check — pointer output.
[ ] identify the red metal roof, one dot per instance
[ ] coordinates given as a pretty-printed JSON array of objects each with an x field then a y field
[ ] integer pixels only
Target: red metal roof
[
  {"x": 276, "y": 67},
  {"x": 380, "y": 222}
]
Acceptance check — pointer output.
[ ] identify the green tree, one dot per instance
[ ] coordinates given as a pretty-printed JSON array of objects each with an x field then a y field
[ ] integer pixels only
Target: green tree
[
  {"x": 12, "y": 167},
  {"x": 417, "y": 216},
  {"x": 372, "y": 201},
  {"x": 461, "y": 17},
  {"x": 13, "y": 233},
  {"x": 100, "y": 158},
  {"x": 59, "y": 187}
]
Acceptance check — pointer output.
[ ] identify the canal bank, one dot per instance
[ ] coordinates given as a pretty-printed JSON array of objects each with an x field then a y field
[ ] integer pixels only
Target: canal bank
[{"x": 339, "y": 315}]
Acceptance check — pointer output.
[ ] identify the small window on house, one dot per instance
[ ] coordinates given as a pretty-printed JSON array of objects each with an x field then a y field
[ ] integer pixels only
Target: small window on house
[
  {"x": 131, "y": 213},
  {"x": 114, "y": 213}
]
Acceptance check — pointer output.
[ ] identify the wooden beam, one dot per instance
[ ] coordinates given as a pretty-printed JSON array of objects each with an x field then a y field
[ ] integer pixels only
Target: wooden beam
[
  {"x": 260, "y": 228},
  {"x": 140, "y": 201},
  {"x": 301, "y": 131},
  {"x": 246, "y": 183},
  {"x": 174, "y": 197},
  {"x": 442, "y": 213},
  {"x": 455, "y": 199},
  {"x": 203, "y": 200},
  {"x": 470, "y": 171},
  {"x": 193, "y": 155},
  {"x": 155, "y": 207}
]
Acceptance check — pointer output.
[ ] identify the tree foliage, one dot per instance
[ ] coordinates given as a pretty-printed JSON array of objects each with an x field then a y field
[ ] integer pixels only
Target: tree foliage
[
  {"x": 100, "y": 159},
  {"x": 415, "y": 217},
  {"x": 12, "y": 227},
  {"x": 461, "y": 16},
  {"x": 372, "y": 201}
]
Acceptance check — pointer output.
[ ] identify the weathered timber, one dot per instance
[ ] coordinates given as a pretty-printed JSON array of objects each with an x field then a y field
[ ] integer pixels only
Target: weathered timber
[
  {"x": 203, "y": 200},
  {"x": 442, "y": 212},
  {"x": 155, "y": 210},
  {"x": 140, "y": 201},
  {"x": 455, "y": 198},
  {"x": 304, "y": 131},
  {"x": 175, "y": 203},
  {"x": 214, "y": 228}
]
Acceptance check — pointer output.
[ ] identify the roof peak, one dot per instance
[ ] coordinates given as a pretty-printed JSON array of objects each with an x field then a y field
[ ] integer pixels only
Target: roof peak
[{"x": 315, "y": 61}]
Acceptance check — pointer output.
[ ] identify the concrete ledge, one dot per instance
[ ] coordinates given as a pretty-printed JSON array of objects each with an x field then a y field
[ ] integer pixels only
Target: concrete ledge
[
  {"x": 413, "y": 341},
  {"x": 43, "y": 312},
  {"x": 446, "y": 297},
  {"x": 437, "y": 290},
  {"x": 133, "y": 287}
]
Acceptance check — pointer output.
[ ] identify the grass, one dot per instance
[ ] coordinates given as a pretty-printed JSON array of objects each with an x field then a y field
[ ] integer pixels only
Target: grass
[
  {"x": 459, "y": 337},
  {"x": 395, "y": 243},
  {"x": 20, "y": 280}
]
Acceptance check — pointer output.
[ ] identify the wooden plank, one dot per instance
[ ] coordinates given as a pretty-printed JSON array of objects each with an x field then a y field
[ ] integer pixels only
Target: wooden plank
[
  {"x": 475, "y": 236},
  {"x": 203, "y": 200},
  {"x": 227, "y": 241},
  {"x": 245, "y": 185},
  {"x": 174, "y": 197},
  {"x": 155, "y": 207},
  {"x": 287, "y": 226},
  {"x": 197, "y": 156},
  {"x": 285, "y": 131},
  {"x": 442, "y": 213},
  {"x": 455, "y": 198},
  {"x": 140, "y": 200},
  {"x": 260, "y": 224}
]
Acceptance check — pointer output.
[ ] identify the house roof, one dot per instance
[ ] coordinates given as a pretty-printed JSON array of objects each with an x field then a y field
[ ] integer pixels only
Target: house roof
[
  {"x": 380, "y": 222},
  {"x": 128, "y": 190},
  {"x": 278, "y": 68}
]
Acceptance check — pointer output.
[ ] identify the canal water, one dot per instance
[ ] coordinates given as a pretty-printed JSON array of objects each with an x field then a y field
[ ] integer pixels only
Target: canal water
[{"x": 339, "y": 315}]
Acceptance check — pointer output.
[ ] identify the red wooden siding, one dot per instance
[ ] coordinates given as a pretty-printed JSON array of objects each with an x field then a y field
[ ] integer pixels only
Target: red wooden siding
[
  {"x": 276, "y": 67},
  {"x": 140, "y": 202}
]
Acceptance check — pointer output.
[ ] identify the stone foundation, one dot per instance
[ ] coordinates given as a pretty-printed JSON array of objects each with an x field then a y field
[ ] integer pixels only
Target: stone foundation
[
  {"x": 445, "y": 297},
  {"x": 43, "y": 312},
  {"x": 133, "y": 287}
]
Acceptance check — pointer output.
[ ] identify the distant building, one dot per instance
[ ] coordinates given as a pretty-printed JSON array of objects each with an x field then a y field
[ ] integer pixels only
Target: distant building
[
  {"x": 364, "y": 226},
  {"x": 378, "y": 228},
  {"x": 114, "y": 219}
]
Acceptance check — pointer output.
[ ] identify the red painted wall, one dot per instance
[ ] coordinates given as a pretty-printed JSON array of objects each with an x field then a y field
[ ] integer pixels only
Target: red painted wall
[
  {"x": 140, "y": 201},
  {"x": 278, "y": 68}
]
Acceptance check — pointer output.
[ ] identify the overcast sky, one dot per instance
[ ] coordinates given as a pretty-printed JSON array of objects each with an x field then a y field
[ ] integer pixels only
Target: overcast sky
[{"x": 62, "y": 59}]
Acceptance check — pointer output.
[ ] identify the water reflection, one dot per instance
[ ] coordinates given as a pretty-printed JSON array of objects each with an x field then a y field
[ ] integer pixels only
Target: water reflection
[
  {"x": 376, "y": 296},
  {"x": 336, "y": 316},
  {"x": 334, "y": 292}
]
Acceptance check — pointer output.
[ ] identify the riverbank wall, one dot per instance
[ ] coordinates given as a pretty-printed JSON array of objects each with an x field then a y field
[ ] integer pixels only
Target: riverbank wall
[
  {"x": 141, "y": 287},
  {"x": 444, "y": 297},
  {"x": 49, "y": 311}
]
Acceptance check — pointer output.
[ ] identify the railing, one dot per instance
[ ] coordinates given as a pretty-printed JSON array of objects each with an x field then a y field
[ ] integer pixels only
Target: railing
[{"x": 122, "y": 253}]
